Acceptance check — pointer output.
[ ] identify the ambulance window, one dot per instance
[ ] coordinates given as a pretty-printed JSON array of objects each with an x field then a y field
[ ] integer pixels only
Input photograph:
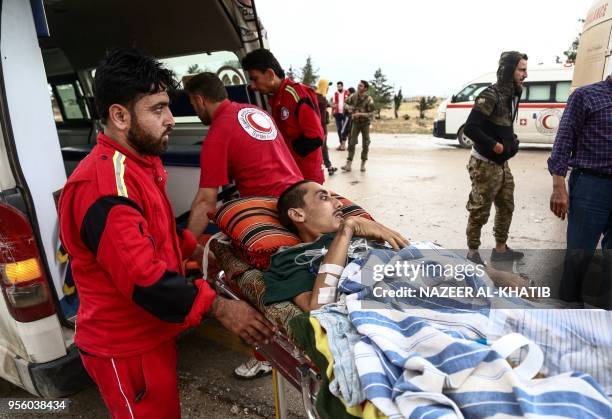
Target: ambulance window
[
  {"x": 68, "y": 96},
  {"x": 538, "y": 92},
  {"x": 57, "y": 112},
  {"x": 562, "y": 90},
  {"x": 470, "y": 92},
  {"x": 223, "y": 63}
]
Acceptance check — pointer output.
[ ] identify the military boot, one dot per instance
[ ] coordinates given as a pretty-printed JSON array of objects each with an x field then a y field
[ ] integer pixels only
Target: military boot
[
  {"x": 363, "y": 162},
  {"x": 347, "y": 166}
]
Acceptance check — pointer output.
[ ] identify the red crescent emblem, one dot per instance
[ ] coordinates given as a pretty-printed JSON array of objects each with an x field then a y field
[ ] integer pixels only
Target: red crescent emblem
[
  {"x": 256, "y": 125},
  {"x": 544, "y": 124}
]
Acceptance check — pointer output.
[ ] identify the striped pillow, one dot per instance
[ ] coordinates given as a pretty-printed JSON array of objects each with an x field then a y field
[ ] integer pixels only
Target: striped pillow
[{"x": 255, "y": 232}]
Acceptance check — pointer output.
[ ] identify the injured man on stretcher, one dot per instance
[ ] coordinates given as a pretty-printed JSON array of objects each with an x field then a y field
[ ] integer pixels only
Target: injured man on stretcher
[
  {"x": 308, "y": 273},
  {"x": 413, "y": 352}
]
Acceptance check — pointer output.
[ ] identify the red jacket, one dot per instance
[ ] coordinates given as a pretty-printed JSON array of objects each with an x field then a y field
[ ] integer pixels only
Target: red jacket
[
  {"x": 296, "y": 113},
  {"x": 345, "y": 95},
  {"x": 119, "y": 229}
]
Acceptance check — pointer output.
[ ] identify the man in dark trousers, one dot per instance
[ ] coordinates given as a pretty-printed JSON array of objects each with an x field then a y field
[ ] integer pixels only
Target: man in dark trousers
[
  {"x": 490, "y": 126},
  {"x": 294, "y": 109},
  {"x": 584, "y": 142},
  {"x": 118, "y": 227}
]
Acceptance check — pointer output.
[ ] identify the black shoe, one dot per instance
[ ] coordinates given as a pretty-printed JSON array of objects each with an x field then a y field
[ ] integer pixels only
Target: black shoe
[
  {"x": 331, "y": 170},
  {"x": 475, "y": 258},
  {"x": 509, "y": 254}
]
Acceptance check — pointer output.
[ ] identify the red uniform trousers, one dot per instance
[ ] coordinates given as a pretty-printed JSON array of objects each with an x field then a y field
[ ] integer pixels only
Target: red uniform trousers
[{"x": 140, "y": 386}]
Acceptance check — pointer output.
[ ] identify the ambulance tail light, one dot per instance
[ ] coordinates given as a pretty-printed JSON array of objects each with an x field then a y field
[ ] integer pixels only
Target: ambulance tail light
[{"x": 22, "y": 278}]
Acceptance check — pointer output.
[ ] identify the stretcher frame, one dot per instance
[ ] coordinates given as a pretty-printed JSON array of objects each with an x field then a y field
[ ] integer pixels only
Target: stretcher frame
[{"x": 289, "y": 362}]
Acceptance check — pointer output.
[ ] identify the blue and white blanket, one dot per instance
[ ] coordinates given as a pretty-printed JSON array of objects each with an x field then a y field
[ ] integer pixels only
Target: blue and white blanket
[{"x": 437, "y": 357}]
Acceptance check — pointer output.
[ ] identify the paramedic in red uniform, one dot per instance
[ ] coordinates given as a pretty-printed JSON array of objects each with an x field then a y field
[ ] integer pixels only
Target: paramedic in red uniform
[
  {"x": 242, "y": 143},
  {"x": 119, "y": 229},
  {"x": 294, "y": 108}
]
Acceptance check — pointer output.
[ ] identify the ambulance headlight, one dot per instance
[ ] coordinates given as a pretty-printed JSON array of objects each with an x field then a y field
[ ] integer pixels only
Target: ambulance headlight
[{"x": 440, "y": 116}]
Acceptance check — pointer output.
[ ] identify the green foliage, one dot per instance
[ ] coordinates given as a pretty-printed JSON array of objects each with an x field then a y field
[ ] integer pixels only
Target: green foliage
[
  {"x": 194, "y": 69},
  {"x": 309, "y": 75},
  {"x": 570, "y": 53},
  {"x": 381, "y": 91},
  {"x": 397, "y": 102},
  {"x": 426, "y": 103}
]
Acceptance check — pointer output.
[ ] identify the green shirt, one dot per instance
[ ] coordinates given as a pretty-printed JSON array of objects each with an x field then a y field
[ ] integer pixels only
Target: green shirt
[{"x": 290, "y": 274}]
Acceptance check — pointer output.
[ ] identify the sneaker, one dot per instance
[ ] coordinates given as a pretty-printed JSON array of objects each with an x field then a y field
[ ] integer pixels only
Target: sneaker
[
  {"x": 509, "y": 254},
  {"x": 475, "y": 258},
  {"x": 253, "y": 369},
  {"x": 331, "y": 170}
]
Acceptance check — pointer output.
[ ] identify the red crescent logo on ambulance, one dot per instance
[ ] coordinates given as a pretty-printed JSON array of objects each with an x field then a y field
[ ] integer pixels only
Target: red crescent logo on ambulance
[
  {"x": 257, "y": 124},
  {"x": 547, "y": 121}
]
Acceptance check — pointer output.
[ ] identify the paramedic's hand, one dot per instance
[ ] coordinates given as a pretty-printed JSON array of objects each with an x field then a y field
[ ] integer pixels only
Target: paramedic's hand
[
  {"x": 499, "y": 148},
  {"x": 375, "y": 231},
  {"x": 240, "y": 318}
]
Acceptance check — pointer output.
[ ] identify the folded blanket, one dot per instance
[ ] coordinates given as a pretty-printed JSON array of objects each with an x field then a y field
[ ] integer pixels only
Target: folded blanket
[{"x": 433, "y": 356}]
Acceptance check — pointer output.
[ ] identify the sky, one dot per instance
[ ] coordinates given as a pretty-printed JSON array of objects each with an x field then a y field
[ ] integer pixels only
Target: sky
[{"x": 423, "y": 47}]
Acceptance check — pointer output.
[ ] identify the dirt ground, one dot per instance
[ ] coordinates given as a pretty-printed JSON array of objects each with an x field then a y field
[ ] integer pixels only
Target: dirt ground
[
  {"x": 408, "y": 121},
  {"x": 414, "y": 183}
]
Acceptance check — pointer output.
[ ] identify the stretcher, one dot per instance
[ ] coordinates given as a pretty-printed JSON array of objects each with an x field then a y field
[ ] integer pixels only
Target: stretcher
[{"x": 239, "y": 281}]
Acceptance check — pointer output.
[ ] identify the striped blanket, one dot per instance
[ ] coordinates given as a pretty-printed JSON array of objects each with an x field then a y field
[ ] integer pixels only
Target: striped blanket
[{"x": 446, "y": 357}]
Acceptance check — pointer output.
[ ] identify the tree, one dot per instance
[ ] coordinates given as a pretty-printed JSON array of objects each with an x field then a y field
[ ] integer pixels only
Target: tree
[
  {"x": 426, "y": 103},
  {"x": 570, "y": 53},
  {"x": 397, "y": 102},
  {"x": 194, "y": 69},
  {"x": 309, "y": 74},
  {"x": 291, "y": 73},
  {"x": 381, "y": 91}
]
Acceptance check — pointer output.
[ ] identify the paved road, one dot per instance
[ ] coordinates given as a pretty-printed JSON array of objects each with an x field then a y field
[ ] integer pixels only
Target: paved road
[{"x": 415, "y": 183}]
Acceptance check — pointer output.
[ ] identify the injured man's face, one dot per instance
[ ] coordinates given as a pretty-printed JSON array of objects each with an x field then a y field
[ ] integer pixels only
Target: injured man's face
[{"x": 319, "y": 214}]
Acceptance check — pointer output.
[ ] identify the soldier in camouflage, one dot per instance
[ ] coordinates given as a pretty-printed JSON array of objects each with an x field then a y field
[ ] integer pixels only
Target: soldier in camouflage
[
  {"x": 361, "y": 107},
  {"x": 490, "y": 126}
]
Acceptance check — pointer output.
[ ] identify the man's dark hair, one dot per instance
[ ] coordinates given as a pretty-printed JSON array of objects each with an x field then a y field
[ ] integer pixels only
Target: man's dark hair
[
  {"x": 340, "y": 83},
  {"x": 126, "y": 74},
  {"x": 262, "y": 59},
  {"x": 365, "y": 84},
  {"x": 351, "y": 90},
  {"x": 208, "y": 85},
  {"x": 292, "y": 197}
]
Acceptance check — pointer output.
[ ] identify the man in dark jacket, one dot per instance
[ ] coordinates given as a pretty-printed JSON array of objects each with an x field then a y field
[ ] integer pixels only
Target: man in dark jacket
[{"x": 490, "y": 126}]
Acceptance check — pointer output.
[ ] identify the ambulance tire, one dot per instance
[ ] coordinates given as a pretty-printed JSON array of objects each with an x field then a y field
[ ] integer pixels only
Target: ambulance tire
[{"x": 464, "y": 141}]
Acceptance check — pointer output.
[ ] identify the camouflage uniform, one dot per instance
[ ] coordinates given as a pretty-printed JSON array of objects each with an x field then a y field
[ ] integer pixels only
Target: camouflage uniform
[
  {"x": 492, "y": 181},
  {"x": 491, "y": 184},
  {"x": 361, "y": 124}
]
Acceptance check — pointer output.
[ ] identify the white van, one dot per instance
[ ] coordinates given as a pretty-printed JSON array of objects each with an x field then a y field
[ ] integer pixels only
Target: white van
[
  {"x": 48, "y": 124},
  {"x": 544, "y": 96},
  {"x": 594, "y": 56}
]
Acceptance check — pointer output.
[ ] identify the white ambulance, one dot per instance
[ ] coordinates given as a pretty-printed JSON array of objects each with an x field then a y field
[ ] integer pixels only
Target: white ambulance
[
  {"x": 544, "y": 96},
  {"x": 48, "y": 124}
]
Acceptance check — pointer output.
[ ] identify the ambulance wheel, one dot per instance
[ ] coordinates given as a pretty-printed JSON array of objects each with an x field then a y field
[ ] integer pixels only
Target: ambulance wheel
[{"x": 464, "y": 141}]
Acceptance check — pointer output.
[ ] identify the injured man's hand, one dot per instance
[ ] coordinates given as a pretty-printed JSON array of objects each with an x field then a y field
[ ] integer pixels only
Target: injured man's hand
[{"x": 240, "y": 318}]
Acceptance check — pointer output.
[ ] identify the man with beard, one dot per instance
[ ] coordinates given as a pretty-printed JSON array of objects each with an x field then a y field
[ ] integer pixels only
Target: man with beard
[
  {"x": 490, "y": 126},
  {"x": 119, "y": 229},
  {"x": 242, "y": 143}
]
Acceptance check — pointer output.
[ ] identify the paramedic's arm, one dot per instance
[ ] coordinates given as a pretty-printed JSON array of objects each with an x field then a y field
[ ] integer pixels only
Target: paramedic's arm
[
  {"x": 312, "y": 137},
  {"x": 204, "y": 202},
  {"x": 116, "y": 232},
  {"x": 570, "y": 129}
]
